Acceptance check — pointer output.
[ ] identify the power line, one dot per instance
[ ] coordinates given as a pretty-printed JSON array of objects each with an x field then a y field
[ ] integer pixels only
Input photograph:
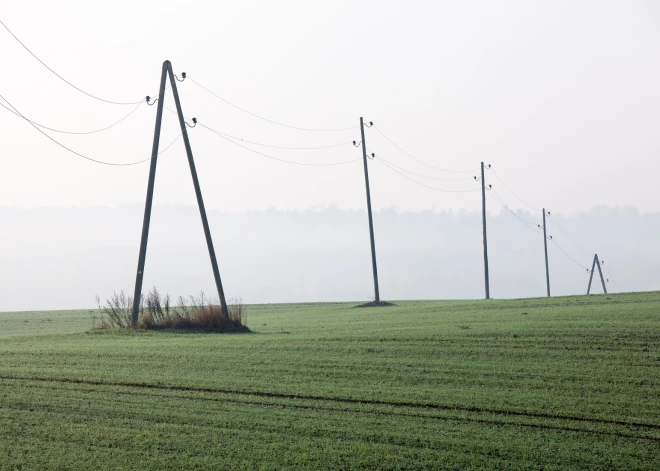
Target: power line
[
  {"x": 576, "y": 245},
  {"x": 516, "y": 196},
  {"x": 418, "y": 160},
  {"x": 422, "y": 184},
  {"x": 499, "y": 200},
  {"x": 62, "y": 78},
  {"x": 531, "y": 224},
  {"x": 566, "y": 253},
  {"x": 18, "y": 113},
  {"x": 229, "y": 138},
  {"x": 217, "y": 133},
  {"x": 569, "y": 237},
  {"x": 420, "y": 175},
  {"x": 492, "y": 194},
  {"x": 609, "y": 275},
  {"x": 266, "y": 119},
  {"x": 331, "y": 146},
  {"x": 72, "y": 132},
  {"x": 527, "y": 223}
]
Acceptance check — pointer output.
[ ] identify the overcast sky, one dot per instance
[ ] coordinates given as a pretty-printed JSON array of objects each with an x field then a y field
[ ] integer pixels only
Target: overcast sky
[{"x": 561, "y": 97}]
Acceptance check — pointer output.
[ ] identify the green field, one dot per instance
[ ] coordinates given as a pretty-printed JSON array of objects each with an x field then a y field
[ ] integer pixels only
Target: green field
[{"x": 559, "y": 383}]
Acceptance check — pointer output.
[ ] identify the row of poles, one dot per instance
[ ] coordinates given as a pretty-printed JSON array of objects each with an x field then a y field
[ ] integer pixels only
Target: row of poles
[
  {"x": 596, "y": 262},
  {"x": 168, "y": 74}
]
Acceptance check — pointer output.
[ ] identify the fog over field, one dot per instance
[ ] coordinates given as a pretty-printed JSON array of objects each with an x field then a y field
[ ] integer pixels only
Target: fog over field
[{"x": 62, "y": 258}]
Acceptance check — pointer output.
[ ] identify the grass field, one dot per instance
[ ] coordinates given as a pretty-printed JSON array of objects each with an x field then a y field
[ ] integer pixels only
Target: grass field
[{"x": 559, "y": 383}]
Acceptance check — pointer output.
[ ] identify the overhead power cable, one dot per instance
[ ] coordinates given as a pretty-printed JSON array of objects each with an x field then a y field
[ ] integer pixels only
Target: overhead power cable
[
  {"x": 580, "y": 248},
  {"x": 331, "y": 146},
  {"x": 266, "y": 119},
  {"x": 307, "y": 164},
  {"x": 102, "y": 162},
  {"x": 73, "y": 132},
  {"x": 62, "y": 78},
  {"x": 569, "y": 237},
  {"x": 510, "y": 191},
  {"x": 420, "y": 183},
  {"x": 567, "y": 254},
  {"x": 271, "y": 145},
  {"x": 504, "y": 206},
  {"x": 529, "y": 225},
  {"x": 423, "y": 176},
  {"x": 419, "y": 160},
  {"x": 609, "y": 275}
]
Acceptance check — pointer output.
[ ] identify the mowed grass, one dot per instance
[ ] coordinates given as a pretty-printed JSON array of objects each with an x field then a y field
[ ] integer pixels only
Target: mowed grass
[{"x": 559, "y": 383}]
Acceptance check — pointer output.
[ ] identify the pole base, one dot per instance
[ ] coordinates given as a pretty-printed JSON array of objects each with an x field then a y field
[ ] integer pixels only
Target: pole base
[{"x": 376, "y": 304}]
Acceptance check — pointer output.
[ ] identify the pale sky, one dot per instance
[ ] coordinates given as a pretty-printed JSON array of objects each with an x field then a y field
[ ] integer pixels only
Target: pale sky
[{"x": 561, "y": 97}]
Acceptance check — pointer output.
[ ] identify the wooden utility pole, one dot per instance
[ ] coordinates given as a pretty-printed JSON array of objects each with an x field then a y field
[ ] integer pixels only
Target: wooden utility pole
[
  {"x": 371, "y": 223},
  {"x": 200, "y": 200},
  {"x": 600, "y": 272},
  {"x": 483, "y": 214},
  {"x": 545, "y": 247},
  {"x": 167, "y": 71},
  {"x": 137, "y": 294}
]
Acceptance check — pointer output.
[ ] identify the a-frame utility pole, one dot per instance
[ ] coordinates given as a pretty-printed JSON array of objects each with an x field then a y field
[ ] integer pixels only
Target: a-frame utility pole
[
  {"x": 168, "y": 73},
  {"x": 545, "y": 247},
  {"x": 483, "y": 214},
  {"x": 371, "y": 222},
  {"x": 600, "y": 272}
]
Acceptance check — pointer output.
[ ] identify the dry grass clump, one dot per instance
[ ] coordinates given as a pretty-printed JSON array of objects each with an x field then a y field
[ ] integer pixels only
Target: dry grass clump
[
  {"x": 157, "y": 313},
  {"x": 116, "y": 312}
]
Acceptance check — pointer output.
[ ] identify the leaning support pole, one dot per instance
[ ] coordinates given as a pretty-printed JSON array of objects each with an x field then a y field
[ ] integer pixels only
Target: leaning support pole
[
  {"x": 371, "y": 223},
  {"x": 591, "y": 276},
  {"x": 198, "y": 193},
  {"x": 150, "y": 194},
  {"x": 483, "y": 214},
  {"x": 600, "y": 271},
  {"x": 545, "y": 247}
]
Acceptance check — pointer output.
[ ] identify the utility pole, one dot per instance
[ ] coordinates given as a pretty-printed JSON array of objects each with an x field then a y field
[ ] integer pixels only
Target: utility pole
[
  {"x": 137, "y": 294},
  {"x": 545, "y": 247},
  {"x": 167, "y": 71},
  {"x": 371, "y": 223},
  {"x": 483, "y": 213},
  {"x": 200, "y": 200},
  {"x": 600, "y": 272}
]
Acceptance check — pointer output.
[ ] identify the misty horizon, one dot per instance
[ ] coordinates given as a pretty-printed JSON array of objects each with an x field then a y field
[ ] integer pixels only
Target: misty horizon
[{"x": 55, "y": 258}]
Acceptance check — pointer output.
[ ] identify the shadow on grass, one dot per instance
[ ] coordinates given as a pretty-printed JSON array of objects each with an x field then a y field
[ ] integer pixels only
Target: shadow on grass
[
  {"x": 119, "y": 331},
  {"x": 377, "y": 304}
]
